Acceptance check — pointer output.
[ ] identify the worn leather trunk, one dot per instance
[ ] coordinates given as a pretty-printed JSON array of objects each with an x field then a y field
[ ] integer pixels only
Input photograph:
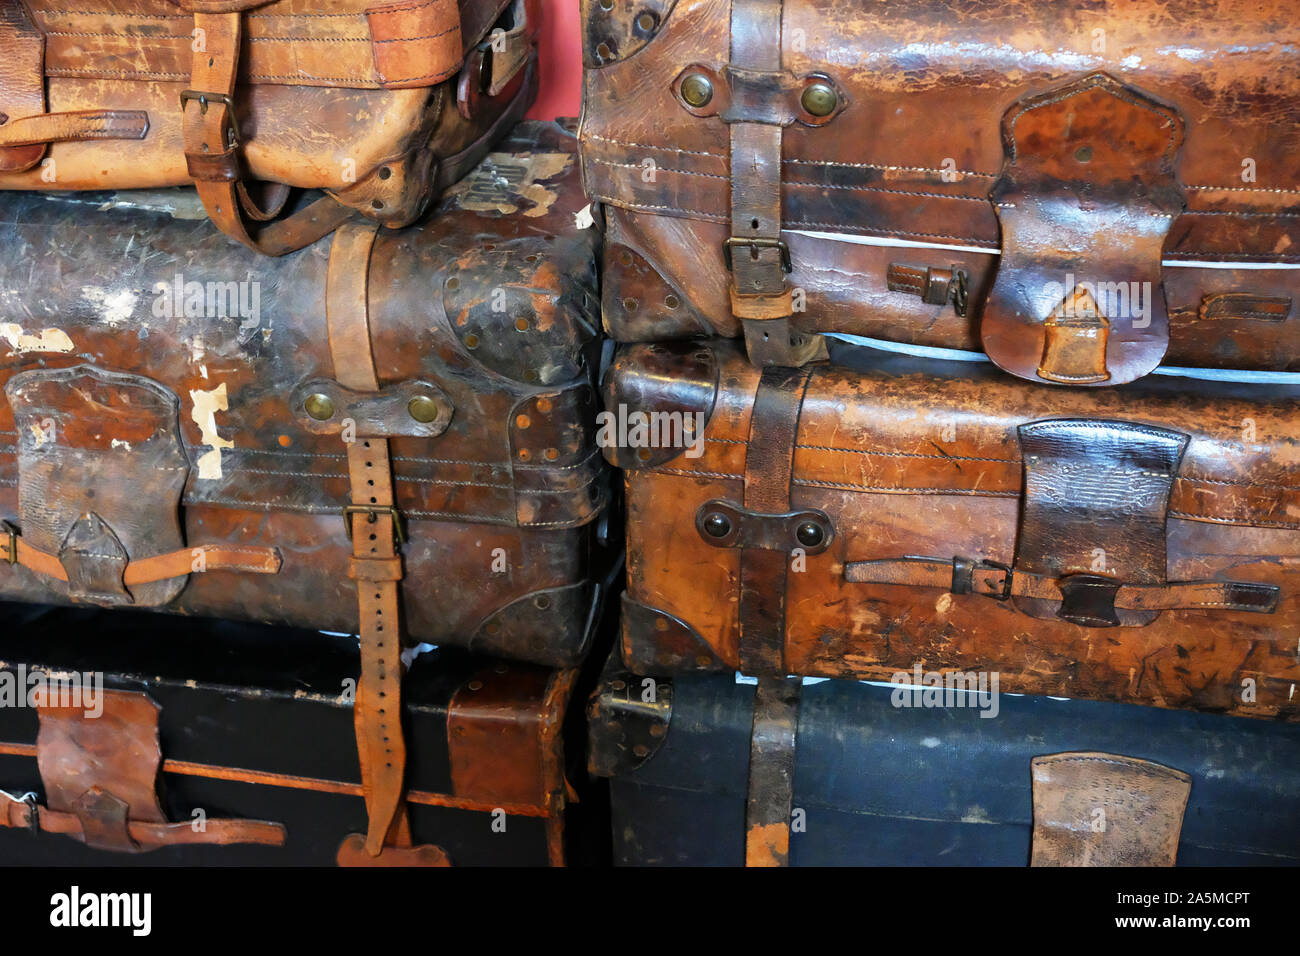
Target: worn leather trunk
[
  {"x": 157, "y": 384},
  {"x": 383, "y": 105},
  {"x": 879, "y": 785},
  {"x": 883, "y": 511},
  {"x": 254, "y": 724},
  {"x": 1081, "y": 191}
]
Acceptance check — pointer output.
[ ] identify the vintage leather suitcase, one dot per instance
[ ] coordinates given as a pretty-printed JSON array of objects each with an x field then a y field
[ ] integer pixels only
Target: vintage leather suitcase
[
  {"x": 880, "y": 785},
  {"x": 387, "y": 432},
  {"x": 1081, "y": 192},
  {"x": 247, "y": 732},
  {"x": 858, "y": 518},
  {"x": 383, "y": 105}
]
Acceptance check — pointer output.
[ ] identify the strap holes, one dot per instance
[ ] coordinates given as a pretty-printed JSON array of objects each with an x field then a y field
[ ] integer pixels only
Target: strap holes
[{"x": 753, "y": 224}]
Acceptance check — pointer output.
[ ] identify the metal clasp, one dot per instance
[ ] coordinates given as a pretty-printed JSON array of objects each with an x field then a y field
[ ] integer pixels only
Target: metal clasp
[
  {"x": 754, "y": 245},
  {"x": 1006, "y": 579},
  {"x": 12, "y": 532},
  {"x": 373, "y": 512},
  {"x": 34, "y": 811},
  {"x": 204, "y": 99}
]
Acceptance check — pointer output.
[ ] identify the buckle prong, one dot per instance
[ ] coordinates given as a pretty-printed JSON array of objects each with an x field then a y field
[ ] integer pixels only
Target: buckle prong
[{"x": 12, "y": 532}]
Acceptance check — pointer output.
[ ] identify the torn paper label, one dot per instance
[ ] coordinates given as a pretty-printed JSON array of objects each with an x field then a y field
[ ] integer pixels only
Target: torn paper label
[{"x": 204, "y": 414}]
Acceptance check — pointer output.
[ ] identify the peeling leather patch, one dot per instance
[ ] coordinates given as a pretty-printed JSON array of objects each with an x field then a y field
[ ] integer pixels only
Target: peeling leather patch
[{"x": 506, "y": 184}]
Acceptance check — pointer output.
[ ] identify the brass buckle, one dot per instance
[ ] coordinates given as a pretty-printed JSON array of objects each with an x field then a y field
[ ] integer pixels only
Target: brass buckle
[
  {"x": 33, "y": 812},
  {"x": 1006, "y": 580},
  {"x": 786, "y": 264},
  {"x": 373, "y": 511},
  {"x": 206, "y": 98},
  {"x": 13, "y": 540}
]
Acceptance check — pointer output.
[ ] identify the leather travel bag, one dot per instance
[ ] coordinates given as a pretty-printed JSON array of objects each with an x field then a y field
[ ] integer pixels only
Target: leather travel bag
[
  {"x": 382, "y": 105},
  {"x": 885, "y": 513},
  {"x": 1082, "y": 193},
  {"x": 136, "y": 738},
  {"x": 879, "y": 784}
]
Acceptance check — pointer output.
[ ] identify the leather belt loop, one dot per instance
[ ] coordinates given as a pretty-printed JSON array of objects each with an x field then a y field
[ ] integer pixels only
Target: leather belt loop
[
  {"x": 770, "y": 797},
  {"x": 769, "y": 466},
  {"x": 376, "y": 558}
]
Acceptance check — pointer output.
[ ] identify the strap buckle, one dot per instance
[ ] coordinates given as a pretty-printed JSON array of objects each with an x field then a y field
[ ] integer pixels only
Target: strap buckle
[
  {"x": 33, "y": 811},
  {"x": 787, "y": 265},
  {"x": 1007, "y": 575},
  {"x": 12, "y": 532},
  {"x": 232, "y": 127},
  {"x": 373, "y": 512}
]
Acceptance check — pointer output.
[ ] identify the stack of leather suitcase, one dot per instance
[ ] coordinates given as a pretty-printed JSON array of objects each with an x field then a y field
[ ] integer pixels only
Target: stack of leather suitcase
[
  {"x": 1068, "y": 192},
  {"x": 344, "y": 386}
]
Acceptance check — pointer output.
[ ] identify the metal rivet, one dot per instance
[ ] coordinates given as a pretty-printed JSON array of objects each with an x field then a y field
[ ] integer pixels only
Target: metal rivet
[
  {"x": 717, "y": 525},
  {"x": 423, "y": 409},
  {"x": 476, "y": 685},
  {"x": 319, "y": 406},
  {"x": 819, "y": 99},
  {"x": 646, "y": 22},
  {"x": 1083, "y": 154},
  {"x": 697, "y": 90},
  {"x": 810, "y": 534}
]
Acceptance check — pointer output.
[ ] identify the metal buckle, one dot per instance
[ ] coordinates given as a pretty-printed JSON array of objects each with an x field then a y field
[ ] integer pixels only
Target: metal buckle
[
  {"x": 13, "y": 540},
  {"x": 1006, "y": 580},
  {"x": 373, "y": 511},
  {"x": 786, "y": 264},
  {"x": 34, "y": 814},
  {"x": 206, "y": 98}
]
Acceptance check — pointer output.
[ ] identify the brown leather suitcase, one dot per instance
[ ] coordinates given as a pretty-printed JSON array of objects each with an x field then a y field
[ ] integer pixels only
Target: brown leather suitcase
[
  {"x": 887, "y": 517},
  {"x": 1081, "y": 191},
  {"x": 383, "y": 105},
  {"x": 388, "y": 432},
  {"x": 133, "y": 739}
]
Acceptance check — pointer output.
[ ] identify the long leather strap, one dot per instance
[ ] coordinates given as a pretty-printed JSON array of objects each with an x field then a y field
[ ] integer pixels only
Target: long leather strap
[
  {"x": 771, "y": 771},
  {"x": 212, "y": 150},
  {"x": 769, "y": 464},
  {"x": 158, "y": 567},
  {"x": 760, "y": 295},
  {"x": 75, "y": 127},
  {"x": 376, "y": 563},
  {"x": 964, "y": 576},
  {"x": 29, "y": 815}
]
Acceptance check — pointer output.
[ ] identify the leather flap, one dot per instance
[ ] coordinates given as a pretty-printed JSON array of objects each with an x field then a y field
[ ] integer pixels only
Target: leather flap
[
  {"x": 1086, "y": 199},
  {"x": 22, "y": 81},
  {"x": 1096, "y": 809},
  {"x": 416, "y": 42},
  {"x": 1096, "y": 502},
  {"x": 100, "y": 462}
]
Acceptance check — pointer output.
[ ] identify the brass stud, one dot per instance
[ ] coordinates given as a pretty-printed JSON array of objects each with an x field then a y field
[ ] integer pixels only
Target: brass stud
[
  {"x": 819, "y": 99},
  {"x": 697, "y": 90},
  {"x": 319, "y": 406},
  {"x": 423, "y": 409}
]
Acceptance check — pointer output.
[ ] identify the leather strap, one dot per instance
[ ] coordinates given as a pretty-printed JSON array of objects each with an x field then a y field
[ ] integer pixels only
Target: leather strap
[
  {"x": 769, "y": 464},
  {"x": 29, "y": 815},
  {"x": 376, "y": 563},
  {"x": 75, "y": 127},
  {"x": 158, "y": 567},
  {"x": 771, "y": 771},
  {"x": 760, "y": 295},
  {"x": 212, "y": 150},
  {"x": 964, "y": 576}
]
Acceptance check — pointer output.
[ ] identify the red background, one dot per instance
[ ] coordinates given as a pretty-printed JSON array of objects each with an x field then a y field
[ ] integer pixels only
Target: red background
[{"x": 561, "y": 54}]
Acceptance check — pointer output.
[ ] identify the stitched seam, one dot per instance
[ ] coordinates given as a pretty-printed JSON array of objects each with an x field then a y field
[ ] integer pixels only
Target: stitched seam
[
  {"x": 895, "y": 490},
  {"x": 1251, "y": 523},
  {"x": 1246, "y": 189},
  {"x": 427, "y": 36}
]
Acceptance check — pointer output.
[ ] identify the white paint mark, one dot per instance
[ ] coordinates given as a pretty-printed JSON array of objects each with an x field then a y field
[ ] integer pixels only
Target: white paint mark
[
  {"x": 115, "y": 308},
  {"x": 930, "y": 742},
  {"x": 118, "y": 443},
  {"x": 584, "y": 219},
  {"x": 206, "y": 405},
  {"x": 47, "y": 340}
]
